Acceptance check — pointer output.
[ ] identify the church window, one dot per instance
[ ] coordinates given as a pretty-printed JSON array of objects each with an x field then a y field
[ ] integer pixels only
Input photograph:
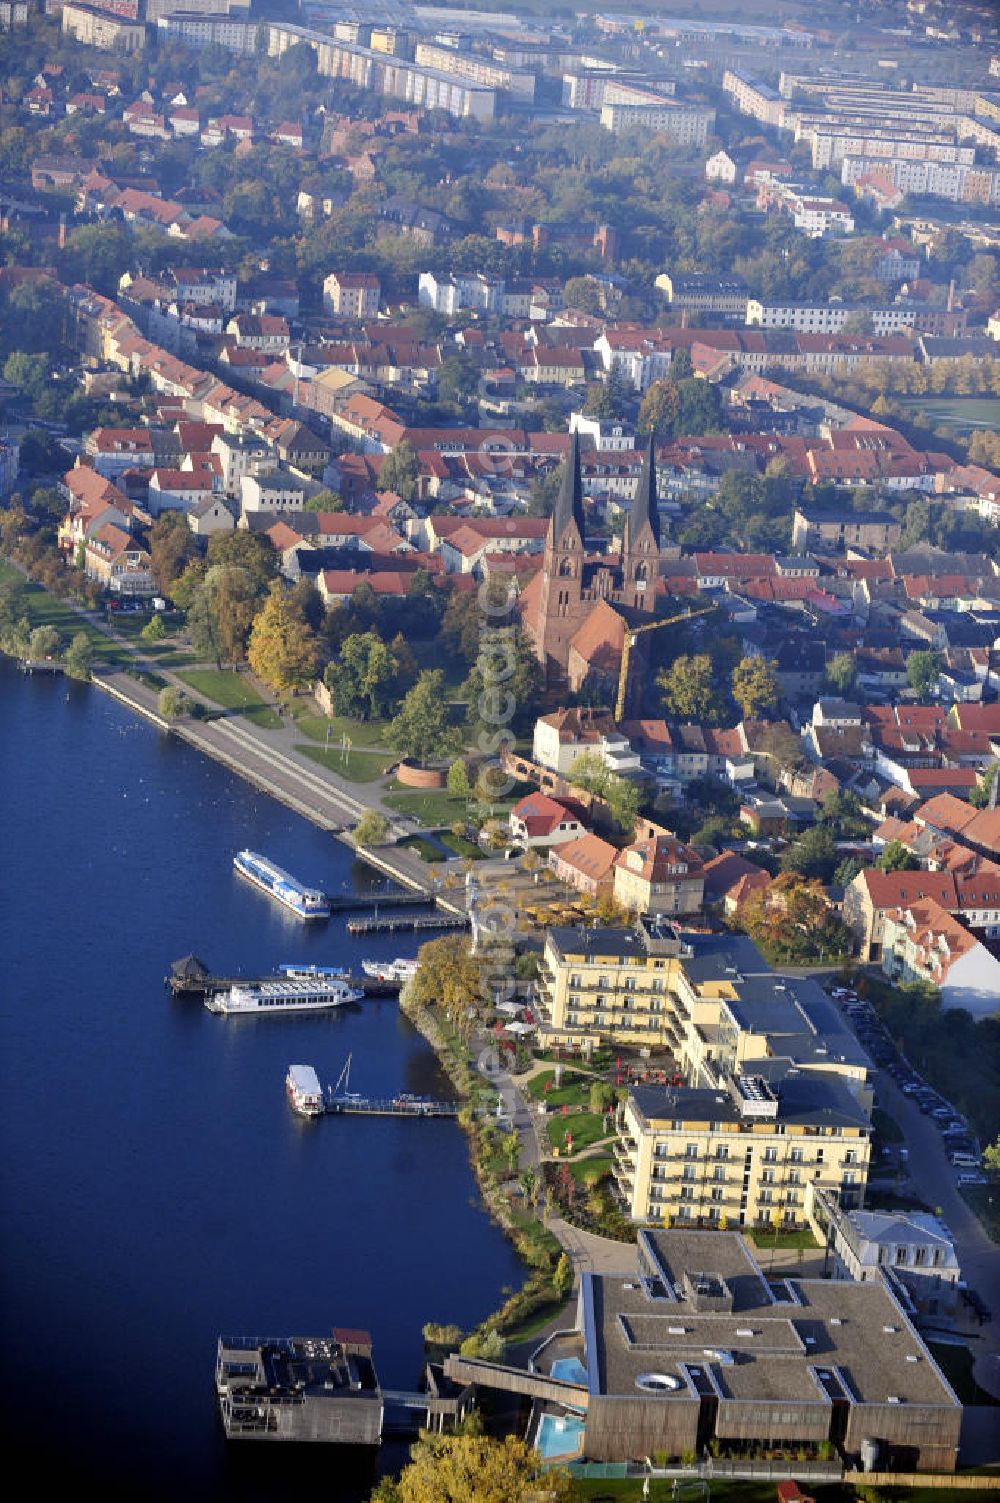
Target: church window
[{"x": 566, "y": 566}]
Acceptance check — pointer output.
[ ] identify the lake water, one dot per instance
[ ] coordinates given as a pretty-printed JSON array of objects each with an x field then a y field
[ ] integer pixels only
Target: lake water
[{"x": 157, "y": 1190}]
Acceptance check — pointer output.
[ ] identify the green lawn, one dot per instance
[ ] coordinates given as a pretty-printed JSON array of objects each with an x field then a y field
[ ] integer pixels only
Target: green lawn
[
  {"x": 360, "y": 733},
  {"x": 47, "y": 610},
  {"x": 233, "y": 691},
  {"x": 462, "y": 847},
  {"x": 887, "y": 1129},
  {"x": 956, "y": 1362},
  {"x": 985, "y": 1201},
  {"x": 587, "y": 1128},
  {"x": 573, "y": 1091},
  {"x": 588, "y": 1171},
  {"x": 356, "y": 766},
  {"x": 423, "y": 848},
  {"x": 434, "y": 808},
  {"x": 765, "y": 1240}
]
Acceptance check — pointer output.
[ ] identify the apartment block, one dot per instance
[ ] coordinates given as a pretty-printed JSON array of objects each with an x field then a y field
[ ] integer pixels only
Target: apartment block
[
  {"x": 686, "y": 125},
  {"x": 352, "y": 294},
  {"x": 380, "y": 72},
  {"x": 742, "y": 1154},
  {"x": 827, "y": 318},
  {"x": 100, "y": 29},
  {"x": 830, "y": 147},
  {"x": 479, "y": 70},
  {"x": 197, "y": 28},
  {"x": 758, "y": 100}
]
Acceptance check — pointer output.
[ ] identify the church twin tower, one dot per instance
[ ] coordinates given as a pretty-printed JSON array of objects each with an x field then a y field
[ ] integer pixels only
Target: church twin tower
[{"x": 577, "y": 608}]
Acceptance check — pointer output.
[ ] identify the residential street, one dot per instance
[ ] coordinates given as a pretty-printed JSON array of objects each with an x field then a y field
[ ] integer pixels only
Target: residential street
[{"x": 933, "y": 1180}]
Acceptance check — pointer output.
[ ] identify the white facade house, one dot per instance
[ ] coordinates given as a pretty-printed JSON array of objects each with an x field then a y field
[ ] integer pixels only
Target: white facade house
[
  {"x": 450, "y": 294},
  {"x": 607, "y": 435},
  {"x": 272, "y": 491}
]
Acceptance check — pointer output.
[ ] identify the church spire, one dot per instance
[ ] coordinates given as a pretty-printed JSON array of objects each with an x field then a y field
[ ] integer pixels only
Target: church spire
[
  {"x": 569, "y": 504},
  {"x": 644, "y": 507}
]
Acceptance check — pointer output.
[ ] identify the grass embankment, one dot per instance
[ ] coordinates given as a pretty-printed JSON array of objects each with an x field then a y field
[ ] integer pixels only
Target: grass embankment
[
  {"x": 361, "y": 733},
  {"x": 957, "y": 1362},
  {"x": 233, "y": 691},
  {"x": 985, "y": 1201},
  {"x": 431, "y": 809},
  {"x": 355, "y": 766},
  {"x": 959, "y": 1057},
  {"x": 44, "y": 609}
]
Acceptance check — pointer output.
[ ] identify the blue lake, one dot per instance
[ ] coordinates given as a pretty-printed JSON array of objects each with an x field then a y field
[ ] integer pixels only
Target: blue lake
[{"x": 157, "y": 1190}]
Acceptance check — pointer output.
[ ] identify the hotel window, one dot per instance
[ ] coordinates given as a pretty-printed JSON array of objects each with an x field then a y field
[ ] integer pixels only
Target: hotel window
[
  {"x": 770, "y": 1155},
  {"x": 690, "y": 1150}
]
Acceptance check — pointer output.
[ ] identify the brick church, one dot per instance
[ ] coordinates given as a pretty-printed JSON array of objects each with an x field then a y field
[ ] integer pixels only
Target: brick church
[{"x": 577, "y": 608}]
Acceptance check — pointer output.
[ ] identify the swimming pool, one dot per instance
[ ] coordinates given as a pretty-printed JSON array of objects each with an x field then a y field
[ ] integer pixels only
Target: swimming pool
[
  {"x": 569, "y": 1369},
  {"x": 559, "y": 1435}
]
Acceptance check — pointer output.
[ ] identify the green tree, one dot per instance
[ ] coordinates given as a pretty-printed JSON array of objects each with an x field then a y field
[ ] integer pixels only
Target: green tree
[
  {"x": 505, "y": 683},
  {"x": 922, "y": 669},
  {"x": 79, "y": 657},
  {"x": 583, "y": 293},
  {"x": 841, "y": 672},
  {"x": 371, "y": 829},
  {"x": 43, "y": 643},
  {"x": 154, "y": 630},
  {"x": 449, "y": 977},
  {"x": 848, "y": 870},
  {"x": 591, "y": 772},
  {"x": 325, "y": 500},
  {"x": 894, "y": 857},
  {"x": 812, "y": 854},
  {"x": 251, "y": 551},
  {"x": 173, "y": 703},
  {"x": 562, "y": 1278},
  {"x": 172, "y": 546},
  {"x": 361, "y": 679},
  {"x": 658, "y": 409},
  {"x": 400, "y": 471},
  {"x": 459, "y": 785},
  {"x": 421, "y": 729},
  {"x": 282, "y": 651},
  {"x": 991, "y": 1156},
  {"x": 687, "y": 688},
  {"x": 755, "y": 685}
]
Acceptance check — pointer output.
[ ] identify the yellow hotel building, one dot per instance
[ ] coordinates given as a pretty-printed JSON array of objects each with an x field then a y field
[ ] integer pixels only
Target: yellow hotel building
[{"x": 743, "y": 1154}]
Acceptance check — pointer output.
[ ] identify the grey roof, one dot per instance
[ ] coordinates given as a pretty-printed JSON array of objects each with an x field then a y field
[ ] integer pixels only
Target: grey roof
[
  {"x": 569, "y": 503},
  {"x": 645, "y": 508},
  {"x": 783, "y": 1339}
]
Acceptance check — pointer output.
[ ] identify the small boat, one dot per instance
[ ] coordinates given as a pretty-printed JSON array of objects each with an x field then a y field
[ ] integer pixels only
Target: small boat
[
  {"x": 390, "y": 970},
  {"x": 314, "y": 972},
  {"x": 304, "y": 1091}
]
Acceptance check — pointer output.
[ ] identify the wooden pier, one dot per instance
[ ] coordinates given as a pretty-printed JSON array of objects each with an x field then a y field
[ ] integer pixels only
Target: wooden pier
[
  {"x": 342, "y": 1101},
  {"x": 399, "y": 1106},
  {"x": 190, "y": 978},
  {"x": 39, "y": 665},
  {"x": 404, "y": 925},
  {"x": 343, "y": 902}
]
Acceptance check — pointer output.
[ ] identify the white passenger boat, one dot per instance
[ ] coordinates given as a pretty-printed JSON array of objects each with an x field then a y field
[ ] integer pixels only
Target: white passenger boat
[
  {"x": 304, "y": 1091},
  {"x": 390, "y": 970},
  {"x": 273, "y": 998}
]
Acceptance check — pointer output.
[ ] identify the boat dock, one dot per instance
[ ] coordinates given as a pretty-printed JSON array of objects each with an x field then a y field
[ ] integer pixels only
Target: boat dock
[
  {"x": 405, "y": 925},
  {"x": 39, "y": 665},
  {"x": 399, "y": 1106},
  {"x": 191, "y": 978},
  {"x": 341, "y": 1101},
  {"x": 344, "y": 902}
]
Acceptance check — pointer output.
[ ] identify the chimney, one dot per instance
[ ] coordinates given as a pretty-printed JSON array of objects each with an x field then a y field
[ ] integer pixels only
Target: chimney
[
  {"x": 62, "y": 231},
  {"x": 951, "y": 296}
]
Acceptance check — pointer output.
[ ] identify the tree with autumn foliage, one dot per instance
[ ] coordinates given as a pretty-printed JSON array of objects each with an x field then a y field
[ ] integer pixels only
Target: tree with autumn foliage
[
  {"x": 283, "y": 651},
  {"x": 451, "y": 978},
  {"x": 755, "y": 685},
  {"x": 475, "y": 1469},
  {"x": 791, "y": 920}
]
